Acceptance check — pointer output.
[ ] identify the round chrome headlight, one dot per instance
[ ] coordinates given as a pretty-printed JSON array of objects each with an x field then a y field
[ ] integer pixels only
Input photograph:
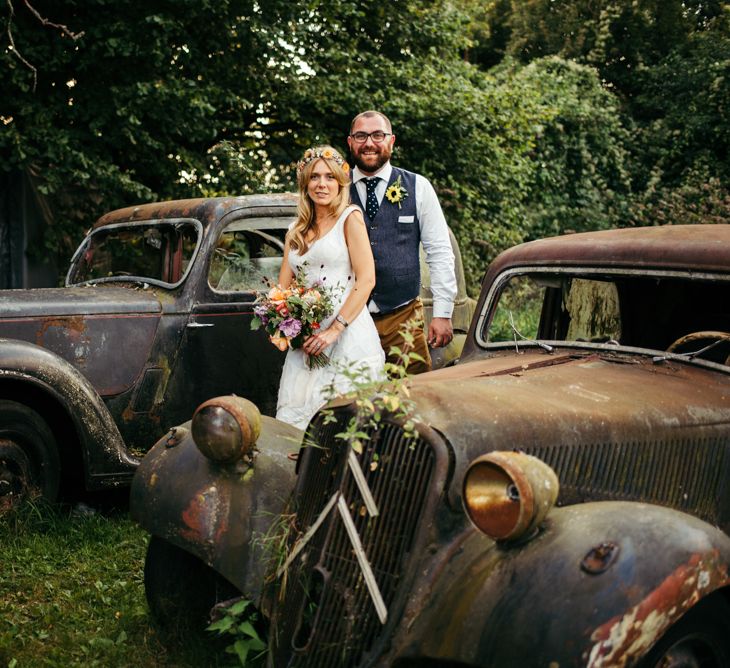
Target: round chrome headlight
[
  {"x": 226, "y": 428},
  {"x": 507, "y": 495}
]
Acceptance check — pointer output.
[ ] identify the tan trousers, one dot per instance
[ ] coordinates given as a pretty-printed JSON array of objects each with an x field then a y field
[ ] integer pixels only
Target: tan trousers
[{"x": 389, "y": 328}]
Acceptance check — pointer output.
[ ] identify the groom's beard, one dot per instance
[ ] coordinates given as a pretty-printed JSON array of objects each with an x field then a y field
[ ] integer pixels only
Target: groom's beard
[{"x": 373, "y": 161}]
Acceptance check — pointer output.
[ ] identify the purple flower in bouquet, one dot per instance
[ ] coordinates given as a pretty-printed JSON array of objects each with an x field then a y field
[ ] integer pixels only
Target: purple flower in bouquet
[
  {"x": 261, "y": 311},
  {"x": 290, "y": 327}
]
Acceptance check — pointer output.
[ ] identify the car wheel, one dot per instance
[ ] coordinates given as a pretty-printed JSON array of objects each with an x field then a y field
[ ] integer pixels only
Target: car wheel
[
  {"x": 181, "y": 589},
  {"x": 700, "y": 638},
  {"x": 29, "y": 463}
]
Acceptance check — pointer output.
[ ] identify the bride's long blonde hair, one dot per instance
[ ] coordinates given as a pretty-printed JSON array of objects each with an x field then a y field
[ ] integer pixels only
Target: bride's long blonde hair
[{"x": 306, "y": 219}]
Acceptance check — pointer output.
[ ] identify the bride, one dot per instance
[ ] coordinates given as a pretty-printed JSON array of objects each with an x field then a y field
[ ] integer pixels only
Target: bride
[{"x": 330, "y": 244}]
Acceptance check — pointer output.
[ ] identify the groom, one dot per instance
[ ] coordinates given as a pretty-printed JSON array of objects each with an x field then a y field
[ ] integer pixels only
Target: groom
[{"x": 402, "y": 211}]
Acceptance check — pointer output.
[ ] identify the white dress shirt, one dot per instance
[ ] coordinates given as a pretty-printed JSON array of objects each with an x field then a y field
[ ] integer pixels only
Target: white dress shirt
[{"x": 434, "y": 237}]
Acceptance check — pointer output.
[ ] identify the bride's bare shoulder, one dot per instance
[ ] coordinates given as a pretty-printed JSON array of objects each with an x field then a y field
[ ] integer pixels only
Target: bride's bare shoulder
[{"x": 354, "y": 216}]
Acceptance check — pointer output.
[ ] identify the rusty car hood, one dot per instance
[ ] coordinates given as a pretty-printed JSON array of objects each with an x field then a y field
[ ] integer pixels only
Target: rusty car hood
[
  {"x": 567, "y": 398},
  {"x": 77, "y": 323}
]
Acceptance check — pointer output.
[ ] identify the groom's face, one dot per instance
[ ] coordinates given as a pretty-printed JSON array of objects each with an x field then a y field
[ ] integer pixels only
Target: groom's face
[{"x": 370, "y": 155}]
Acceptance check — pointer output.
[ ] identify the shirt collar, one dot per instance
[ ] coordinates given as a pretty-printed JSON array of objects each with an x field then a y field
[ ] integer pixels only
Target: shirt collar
[{"x": 384, "y": 173}]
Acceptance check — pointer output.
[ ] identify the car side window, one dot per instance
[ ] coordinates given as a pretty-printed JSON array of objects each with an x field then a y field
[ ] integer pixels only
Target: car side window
[
  {"x": 519, "y": 308},
  {"x": 245, "y": 260}
]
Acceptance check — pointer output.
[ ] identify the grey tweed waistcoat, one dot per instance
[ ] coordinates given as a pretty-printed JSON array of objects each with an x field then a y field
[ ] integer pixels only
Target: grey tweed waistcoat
[{"x": 395, "y": 235}]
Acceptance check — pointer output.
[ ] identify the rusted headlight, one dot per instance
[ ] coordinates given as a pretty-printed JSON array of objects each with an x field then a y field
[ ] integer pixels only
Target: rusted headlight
[
  {"x": 507, "y": 494},
  {"x": 226, "y": 428}
]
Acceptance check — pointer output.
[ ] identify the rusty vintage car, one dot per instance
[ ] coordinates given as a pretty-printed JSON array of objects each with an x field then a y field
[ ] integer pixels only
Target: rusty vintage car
[
  {"x": 565, "y": 501},
  {"x": 154, "y": 318}
]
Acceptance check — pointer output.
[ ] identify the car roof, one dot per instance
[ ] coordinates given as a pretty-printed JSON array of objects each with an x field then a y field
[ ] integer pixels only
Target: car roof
[
  {"x": 206, "y": 210},
  {"x": 701, "y": 248}
]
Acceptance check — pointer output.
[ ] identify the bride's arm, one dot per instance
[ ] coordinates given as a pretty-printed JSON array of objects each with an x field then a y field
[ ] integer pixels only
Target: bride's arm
[
  {"x": 363, "y": 266},
  {"x": 363, "y": 269},
  {"x": 286, "y": 275}
]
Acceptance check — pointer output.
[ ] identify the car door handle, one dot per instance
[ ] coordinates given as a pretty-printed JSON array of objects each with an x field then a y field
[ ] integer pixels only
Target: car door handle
[{"x": 200, "y": 324}]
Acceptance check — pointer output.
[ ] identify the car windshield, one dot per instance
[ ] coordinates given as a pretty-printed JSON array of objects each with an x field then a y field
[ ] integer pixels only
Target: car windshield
[
  {"x": 642, "y": 310},
  {"x": 158, "y": 252}
]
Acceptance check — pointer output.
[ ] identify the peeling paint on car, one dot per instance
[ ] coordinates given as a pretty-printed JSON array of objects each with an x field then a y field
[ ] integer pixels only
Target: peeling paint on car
[{"x": 624, "y": 639}]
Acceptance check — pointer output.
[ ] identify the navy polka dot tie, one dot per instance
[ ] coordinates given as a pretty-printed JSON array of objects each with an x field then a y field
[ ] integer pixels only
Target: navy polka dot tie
[{"x": 371, "y": 201}]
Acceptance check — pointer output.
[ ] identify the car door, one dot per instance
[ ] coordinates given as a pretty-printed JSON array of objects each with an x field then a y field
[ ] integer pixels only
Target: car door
[{"x": 220, "y": 354}]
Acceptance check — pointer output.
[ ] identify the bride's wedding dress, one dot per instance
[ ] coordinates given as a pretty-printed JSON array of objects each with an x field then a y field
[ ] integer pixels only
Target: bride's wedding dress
[{"x": 303, "y": 390}]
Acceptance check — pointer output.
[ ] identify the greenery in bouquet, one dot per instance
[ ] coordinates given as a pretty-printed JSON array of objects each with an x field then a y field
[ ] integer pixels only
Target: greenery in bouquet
[{"x": 291, "y": 315}]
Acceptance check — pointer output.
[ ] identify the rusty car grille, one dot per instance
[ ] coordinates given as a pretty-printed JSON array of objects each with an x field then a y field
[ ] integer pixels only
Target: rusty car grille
[
  {"x": 686, "y": 474},
  {"x": 325, "y": 615}
]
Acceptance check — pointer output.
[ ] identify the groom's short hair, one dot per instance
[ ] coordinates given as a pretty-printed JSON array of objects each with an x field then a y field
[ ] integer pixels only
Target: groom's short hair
[{"x": 369, "y": 114}]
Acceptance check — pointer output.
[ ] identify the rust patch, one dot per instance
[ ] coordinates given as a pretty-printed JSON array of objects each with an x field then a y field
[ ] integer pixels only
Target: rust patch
[
  {"x": 625, "y": 638},
  {"x": 75, "y": 326},
  {"x": 600, "y": 558},
  {"x": 203, "y": 518},
  {"x": 552, "y": 361}
]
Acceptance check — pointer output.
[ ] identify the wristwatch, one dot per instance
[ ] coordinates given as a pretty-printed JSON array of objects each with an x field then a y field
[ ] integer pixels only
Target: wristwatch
[{"x": 342, "y": 321}]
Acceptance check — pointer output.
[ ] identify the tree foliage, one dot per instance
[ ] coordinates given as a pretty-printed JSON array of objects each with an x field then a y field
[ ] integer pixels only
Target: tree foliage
[
  {"x": 667, "y": 63},
  {"x": 531, "y": 117},
  {"x": 132, "y": 109},
  {"x": 580, "y": 166}
]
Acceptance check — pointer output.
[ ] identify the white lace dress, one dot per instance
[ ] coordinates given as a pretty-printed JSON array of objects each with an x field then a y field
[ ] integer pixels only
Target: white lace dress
[{"x": 303, "y": 390}]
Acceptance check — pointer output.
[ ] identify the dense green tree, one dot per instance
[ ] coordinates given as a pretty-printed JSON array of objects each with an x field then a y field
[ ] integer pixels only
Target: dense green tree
[
  {"x": 668, "y": 63},
  {"x": 605, "y": 113},
  {"x": 682, "y": 139},
  {"x": 129, "y": 109},
  {"x": 615, "y": 36},
  {"x": 580, "y": 164}
]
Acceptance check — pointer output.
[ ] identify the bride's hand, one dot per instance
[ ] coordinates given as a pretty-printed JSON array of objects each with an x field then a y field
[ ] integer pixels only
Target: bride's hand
[{"x": 317, "y": 343}]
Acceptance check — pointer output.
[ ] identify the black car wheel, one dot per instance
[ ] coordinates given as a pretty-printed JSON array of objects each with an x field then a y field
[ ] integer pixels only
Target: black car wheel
[
  {"x": 29, "y": 463},
  {"x": 700, "y": 639},
  {"x": 181, "y": 589}
]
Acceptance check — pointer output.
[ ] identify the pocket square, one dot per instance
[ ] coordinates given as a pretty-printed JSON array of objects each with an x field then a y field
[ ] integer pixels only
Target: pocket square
[{"x": 406, "y": 219}]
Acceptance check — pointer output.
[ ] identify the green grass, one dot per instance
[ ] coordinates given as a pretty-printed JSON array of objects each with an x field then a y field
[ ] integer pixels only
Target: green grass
[{"x": 72, "y": 594}]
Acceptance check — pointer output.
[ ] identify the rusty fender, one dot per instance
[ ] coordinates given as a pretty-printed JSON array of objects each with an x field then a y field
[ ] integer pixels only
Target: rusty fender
[
  {"x": 597, "y": 587},
  {"x": 219, "y": 513},
  {"x": 106, "y": 460}
]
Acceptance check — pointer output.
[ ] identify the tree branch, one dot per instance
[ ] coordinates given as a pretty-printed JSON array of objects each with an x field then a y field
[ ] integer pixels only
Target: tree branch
[
  {"x": 44, "y": 21},
  {"x": 64, "y": 29},
  {"x": 14, "y": 49}
]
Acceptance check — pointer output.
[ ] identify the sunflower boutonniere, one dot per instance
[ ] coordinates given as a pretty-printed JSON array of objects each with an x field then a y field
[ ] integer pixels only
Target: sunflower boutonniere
[{"x": 396, "y": 193}]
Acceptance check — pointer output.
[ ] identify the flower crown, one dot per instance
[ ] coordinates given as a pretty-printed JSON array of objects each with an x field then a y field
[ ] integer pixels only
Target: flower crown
[{"x": 321, "y": 152}]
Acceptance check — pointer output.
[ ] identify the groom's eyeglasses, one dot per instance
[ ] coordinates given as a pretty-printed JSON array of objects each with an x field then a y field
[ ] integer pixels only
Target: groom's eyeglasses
[{"x": 377, "y": 136}]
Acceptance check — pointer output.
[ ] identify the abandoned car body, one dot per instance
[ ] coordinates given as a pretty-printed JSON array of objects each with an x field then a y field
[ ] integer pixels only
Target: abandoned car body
[
  {"x": 154, "y": 318},
  {"x": 154, "y": 297},
  {"x": 599, "y": 360}
]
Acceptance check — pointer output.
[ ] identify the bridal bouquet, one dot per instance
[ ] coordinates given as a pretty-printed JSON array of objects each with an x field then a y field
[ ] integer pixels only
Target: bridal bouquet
[{"x": 291, "y": 315}]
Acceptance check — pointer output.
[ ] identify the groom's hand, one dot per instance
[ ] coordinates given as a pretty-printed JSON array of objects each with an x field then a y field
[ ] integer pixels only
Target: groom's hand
[{"x": 440, "y": 332}]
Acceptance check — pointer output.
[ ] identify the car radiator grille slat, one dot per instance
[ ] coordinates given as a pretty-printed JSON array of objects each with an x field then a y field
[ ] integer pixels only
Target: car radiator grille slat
[
  {"x": 686, "y": 474},
  {"x": 345, "y": 626}
]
